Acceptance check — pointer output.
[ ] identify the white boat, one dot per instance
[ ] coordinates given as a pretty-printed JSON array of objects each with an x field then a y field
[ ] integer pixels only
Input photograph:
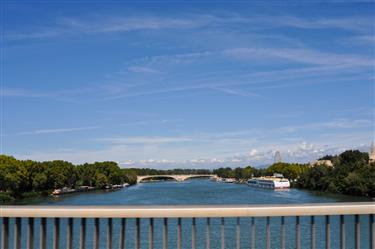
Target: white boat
[
  {"x": 229, "y": 180},
  {"x": 269, "y": 182},
  {"x": 62, "y": 191}
]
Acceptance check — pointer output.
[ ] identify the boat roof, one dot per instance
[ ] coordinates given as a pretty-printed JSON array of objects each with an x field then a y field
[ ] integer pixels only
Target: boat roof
[{"x": 269, "y": 178}]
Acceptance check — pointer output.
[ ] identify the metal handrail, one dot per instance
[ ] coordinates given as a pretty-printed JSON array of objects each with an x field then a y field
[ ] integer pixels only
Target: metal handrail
[{"x": 184, "y": 211}]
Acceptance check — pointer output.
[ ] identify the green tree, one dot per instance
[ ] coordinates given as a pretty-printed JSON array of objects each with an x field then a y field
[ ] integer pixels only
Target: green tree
[{"x": 101, "y": 180}]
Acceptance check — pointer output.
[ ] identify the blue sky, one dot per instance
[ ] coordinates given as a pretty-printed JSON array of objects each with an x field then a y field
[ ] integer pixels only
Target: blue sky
[{"x": 187, "y": 85}]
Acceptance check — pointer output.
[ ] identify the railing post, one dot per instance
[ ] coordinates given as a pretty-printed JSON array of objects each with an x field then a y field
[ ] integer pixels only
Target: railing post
[
  {"x": 56, "y": 235},
  {"x": 42, "y": 233},
  {"x": 222, "y": 233},
  {"x": 357, "y": 232},
  {"x": 328, "y": 232},
  {"x": 372, "y": 231},
  {"x": 165, "y": 234},
  {"x": 193, "y": 234},
  {"x": 238, "y": 233},
  {"x": 342, "y": 232},
  {"x": 17, "y": 233},
  {"x": 122, "y": 234},
  {"x": 313, "y": 235},
  {"x": 30, "y": 233},
  {"x": 5, "y": 233},
  {"x": 179, "y": 234},
  {"x": 109, "y": 233},
  {"x": 151, "y": 234},
  {"x": 82, "y": 241},
  {"x": 69, "y": 236},
  {"x": 137, "y": 234},
  {"x": 208, "y": 235},
  {"x": 298, "y": 233},
  {"x": 252, "y": 233},
  {"x": 282, "y": 233},
  {"x": 96, "y": 233},
  {"x": 268, "y": 233}
]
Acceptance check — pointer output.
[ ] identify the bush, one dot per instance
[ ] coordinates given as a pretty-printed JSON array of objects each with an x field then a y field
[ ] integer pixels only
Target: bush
[
  {"x": 6, "y": 198},
  {"x": 30, "y": 195}
]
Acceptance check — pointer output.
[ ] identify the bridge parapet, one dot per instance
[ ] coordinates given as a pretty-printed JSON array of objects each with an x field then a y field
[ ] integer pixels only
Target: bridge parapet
[
  {"x": 351, "y": 216},
  {"x": 178, "y": 178}
]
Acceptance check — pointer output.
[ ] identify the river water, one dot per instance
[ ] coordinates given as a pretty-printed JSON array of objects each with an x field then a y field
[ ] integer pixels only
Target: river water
[{"x": 207, "y": 192}]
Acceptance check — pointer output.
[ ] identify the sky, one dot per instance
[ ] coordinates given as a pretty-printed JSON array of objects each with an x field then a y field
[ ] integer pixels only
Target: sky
[{"x": 168, "y": 84}]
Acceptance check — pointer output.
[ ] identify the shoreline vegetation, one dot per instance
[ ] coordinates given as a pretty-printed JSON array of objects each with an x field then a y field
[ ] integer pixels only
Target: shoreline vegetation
[{"x": 350, "y": 174}]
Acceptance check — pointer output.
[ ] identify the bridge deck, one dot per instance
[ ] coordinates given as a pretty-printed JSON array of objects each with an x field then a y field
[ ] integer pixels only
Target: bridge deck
[{"x": 178, "y": 178}]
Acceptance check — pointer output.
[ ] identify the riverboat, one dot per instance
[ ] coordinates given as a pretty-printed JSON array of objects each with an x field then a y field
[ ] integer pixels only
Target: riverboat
[
  {"x": 64, "y": 190},
  {"x": 229, "y": 180},
  {"x": 269, "y": 182}
]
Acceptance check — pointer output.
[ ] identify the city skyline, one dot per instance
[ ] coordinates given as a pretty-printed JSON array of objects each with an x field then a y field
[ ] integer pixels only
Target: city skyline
[{"x": 187, "y": 85}]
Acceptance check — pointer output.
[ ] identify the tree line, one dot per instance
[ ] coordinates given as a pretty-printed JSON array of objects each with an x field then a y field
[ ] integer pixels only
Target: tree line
[
  {"x": 351, "y": 174},
  {"x": 289, "y": 170},
  {"x": 27, "y": 178}
]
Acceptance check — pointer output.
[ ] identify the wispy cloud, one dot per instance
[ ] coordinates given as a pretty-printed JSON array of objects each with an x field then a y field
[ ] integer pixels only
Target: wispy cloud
[
  {"x": 220, "y": 148},
  {"x": 144, "y": 70},
  {"x": 86, "y": 128},
  {"x": 305, "y": 56},
  {"x": 10, "y": 92},
  {"x": 149, "y": 122},
  {"x": 358, "y": 23},
  {"x": 69, "y": 26},
  {"x": 58, "y": 130},
  {"x": 237, "y": 92},
  {"x": 361, "y": 40},
  {"x": 256, "y": 81},
  {"x": 145, "y": 140},
  {"x": 67, "y": 95},
  {"x": 284, "y": 115},
  {"x": 335, "y": 124},
  {"x": 297, "y": 152}
]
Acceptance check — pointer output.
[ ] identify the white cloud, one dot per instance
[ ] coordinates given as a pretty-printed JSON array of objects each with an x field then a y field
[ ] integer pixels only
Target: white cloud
[
  {"x": 253, "y": 152},
  {"x": 152, "y": 155},
  {"x": 213, "y": 149}
]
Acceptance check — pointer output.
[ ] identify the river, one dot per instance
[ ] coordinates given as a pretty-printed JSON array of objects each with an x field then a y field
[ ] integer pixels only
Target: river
[
  {"x": 208, "y": 192},
  {"x": 193, "y": 192}
]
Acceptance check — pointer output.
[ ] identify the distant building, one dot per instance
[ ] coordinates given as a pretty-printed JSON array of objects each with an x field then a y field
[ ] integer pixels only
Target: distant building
[
  {"x": 372, "y": 153},
  {"x": 321, "y": 162},
  {"x": 277, "y": 157}
]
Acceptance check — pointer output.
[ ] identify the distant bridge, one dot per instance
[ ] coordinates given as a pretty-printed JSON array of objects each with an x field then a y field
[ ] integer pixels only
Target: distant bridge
[{"x": 179, "y": 178}]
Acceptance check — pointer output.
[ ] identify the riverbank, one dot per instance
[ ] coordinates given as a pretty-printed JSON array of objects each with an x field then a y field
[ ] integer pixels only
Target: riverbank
[
  {"x": 349, "y": 173},
  {"x": 192, "y": 192},
  {"x": 8, "y": 199},
  {"x": 200, "y": 192}
]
